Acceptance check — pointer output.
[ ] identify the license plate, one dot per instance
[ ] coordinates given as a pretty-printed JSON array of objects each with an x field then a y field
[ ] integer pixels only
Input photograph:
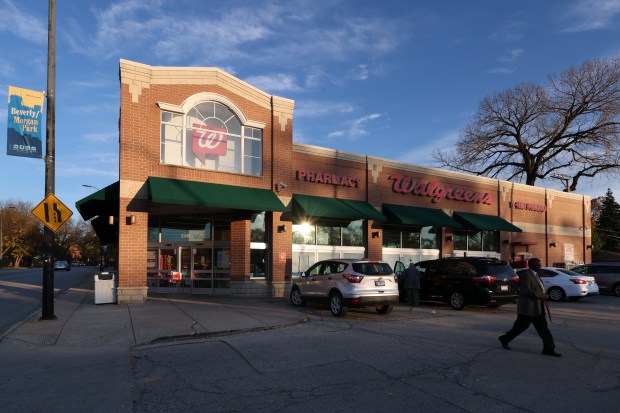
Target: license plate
[
  {"x": 379, "y": 283},
  {"x": 503, "y": 288}
]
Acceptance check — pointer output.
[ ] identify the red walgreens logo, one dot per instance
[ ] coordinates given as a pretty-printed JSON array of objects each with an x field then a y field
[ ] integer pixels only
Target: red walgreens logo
[{"x": 208, "y": 140}]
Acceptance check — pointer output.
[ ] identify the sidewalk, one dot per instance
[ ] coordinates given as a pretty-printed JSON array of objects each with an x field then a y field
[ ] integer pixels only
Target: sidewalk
[
  {"x": 81, "y": 323},
  {"x": 81, "y": 361}
]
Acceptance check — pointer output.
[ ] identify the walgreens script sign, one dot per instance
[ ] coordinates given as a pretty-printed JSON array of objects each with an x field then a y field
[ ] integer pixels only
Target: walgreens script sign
[
  {"x": 409, "y": 185},
  {"x": 208, "y": 140}
]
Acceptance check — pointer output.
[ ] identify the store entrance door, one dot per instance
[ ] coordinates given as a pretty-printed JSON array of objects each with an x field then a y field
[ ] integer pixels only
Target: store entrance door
[{"x": 189, "y": 270}]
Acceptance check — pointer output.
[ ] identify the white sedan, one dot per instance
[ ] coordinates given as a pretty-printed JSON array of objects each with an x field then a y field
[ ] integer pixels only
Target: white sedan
[{"x": 561, "y": 284}]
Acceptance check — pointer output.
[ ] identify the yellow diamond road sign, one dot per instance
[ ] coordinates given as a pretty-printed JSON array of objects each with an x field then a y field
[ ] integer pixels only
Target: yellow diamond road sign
[{"x": 52, "y": 212}]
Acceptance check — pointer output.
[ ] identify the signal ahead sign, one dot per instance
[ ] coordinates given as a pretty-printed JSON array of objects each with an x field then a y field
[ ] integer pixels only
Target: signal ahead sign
[{"x": 52, "y": 213}]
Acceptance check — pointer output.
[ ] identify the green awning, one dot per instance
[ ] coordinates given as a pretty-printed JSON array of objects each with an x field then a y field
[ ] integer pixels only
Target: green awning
[
  {"x": 103, "y": 203},
  {"x": 333, "y": 208},
  {"x": 181, "y": 192},
  {"x": 365, "y": 208},
  {"x": 423, "y": 217},
  {"x": 484, "y": 222}
]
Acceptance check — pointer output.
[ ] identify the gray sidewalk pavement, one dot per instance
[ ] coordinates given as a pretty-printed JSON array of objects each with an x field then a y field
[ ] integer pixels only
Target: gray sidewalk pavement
[
  {"x": 81, "y": 361},
  {"x": 81, "y": 323}
]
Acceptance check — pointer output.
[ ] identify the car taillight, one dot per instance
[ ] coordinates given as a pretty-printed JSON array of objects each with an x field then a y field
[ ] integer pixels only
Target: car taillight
[
  {"x": 485, "y": 279},
  {"x": 515, "y": 278},
  {"x": 579, "y": 281},
  {"x": 353, "y": 278}
]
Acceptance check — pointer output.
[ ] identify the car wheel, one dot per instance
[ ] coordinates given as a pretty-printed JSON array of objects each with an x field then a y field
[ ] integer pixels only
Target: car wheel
[
  {"x": 616, "y": 289},
  {"x": 457, "y": 300},
  {"x": 385, "y": 309},
  {"x": 556, "y": 294},
  {"x": 335, "y": 305},
  {"x": 296, "y": 298}
]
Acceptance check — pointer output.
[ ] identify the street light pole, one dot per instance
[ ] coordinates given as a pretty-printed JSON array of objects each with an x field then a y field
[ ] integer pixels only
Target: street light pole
[{"x": 90, "y": 186}]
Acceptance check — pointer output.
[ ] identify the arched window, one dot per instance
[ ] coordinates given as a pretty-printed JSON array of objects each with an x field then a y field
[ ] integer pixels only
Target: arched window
[{"x": 211, "y": 136}]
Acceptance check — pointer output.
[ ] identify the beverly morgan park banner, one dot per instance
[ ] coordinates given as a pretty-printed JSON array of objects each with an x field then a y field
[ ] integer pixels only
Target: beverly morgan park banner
[{"x": 24, "y": 123}]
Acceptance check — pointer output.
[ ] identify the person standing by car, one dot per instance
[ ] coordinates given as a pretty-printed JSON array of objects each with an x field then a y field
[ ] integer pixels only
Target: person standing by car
[
  {"x": 411, "y": 284},
  {"x": 531, "y": 310}
]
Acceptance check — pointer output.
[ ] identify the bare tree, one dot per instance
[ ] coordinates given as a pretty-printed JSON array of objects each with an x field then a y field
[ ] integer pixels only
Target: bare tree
[{"x": 569, "y": 126}]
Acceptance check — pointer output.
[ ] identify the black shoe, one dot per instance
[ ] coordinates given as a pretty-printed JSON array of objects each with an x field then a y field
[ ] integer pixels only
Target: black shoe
[
  {"x": 502, "y": 339},
  {"x": 551, "y": 353}
]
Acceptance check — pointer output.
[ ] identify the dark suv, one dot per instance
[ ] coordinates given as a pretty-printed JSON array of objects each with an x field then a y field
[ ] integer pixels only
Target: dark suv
[{"x": 461, "y": 281}]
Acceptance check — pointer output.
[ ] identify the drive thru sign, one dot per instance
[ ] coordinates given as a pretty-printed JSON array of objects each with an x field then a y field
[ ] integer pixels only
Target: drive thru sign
[{"x": 52, "y": 212}]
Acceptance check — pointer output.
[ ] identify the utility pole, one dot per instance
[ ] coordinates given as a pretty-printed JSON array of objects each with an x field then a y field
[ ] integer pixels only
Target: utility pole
[
  {"x": 50, "y": 154},
  {"x": 563, "y": 178}
]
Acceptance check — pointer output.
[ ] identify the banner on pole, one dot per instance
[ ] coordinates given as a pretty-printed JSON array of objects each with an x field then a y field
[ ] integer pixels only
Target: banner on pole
[{"x": 24, "y": 123}]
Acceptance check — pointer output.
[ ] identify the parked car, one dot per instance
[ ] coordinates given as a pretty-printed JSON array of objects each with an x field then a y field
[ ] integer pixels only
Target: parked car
[
  {"x": 461, "y": 281},
  {"x": 606, "y": 274},
  {"x": 347, "y": 283},
  {"x": 61, "y": 265},
  {"x": 563, "y": 284}
]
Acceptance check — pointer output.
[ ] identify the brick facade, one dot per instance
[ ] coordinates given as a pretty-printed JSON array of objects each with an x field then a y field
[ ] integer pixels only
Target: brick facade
[{"x": 555, "y": 225}]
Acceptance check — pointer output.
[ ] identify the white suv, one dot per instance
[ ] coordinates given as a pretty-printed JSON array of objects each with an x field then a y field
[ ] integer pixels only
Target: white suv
[{"x": 344, "y": 283}]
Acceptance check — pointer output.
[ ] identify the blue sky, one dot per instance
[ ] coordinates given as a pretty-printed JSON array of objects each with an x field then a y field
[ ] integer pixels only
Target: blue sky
[{"x": 392, "y": 79}]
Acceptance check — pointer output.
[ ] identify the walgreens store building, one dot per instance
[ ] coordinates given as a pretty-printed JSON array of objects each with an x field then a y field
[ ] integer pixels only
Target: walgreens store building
[{"x": 214, "y": 197}]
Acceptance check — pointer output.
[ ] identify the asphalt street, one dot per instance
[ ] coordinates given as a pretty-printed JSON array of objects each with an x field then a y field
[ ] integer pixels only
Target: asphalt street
[{"x": 180, "y": 353}]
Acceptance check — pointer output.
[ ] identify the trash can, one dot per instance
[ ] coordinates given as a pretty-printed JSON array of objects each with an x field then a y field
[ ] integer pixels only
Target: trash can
[{"x": 105, "y": 288}]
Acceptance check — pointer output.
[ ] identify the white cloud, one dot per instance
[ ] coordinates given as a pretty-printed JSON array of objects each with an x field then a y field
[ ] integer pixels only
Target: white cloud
[
  {"x": 22, "y": 24},
  {"x": 6, "y": 69},
  {"x": 501, "y": 70},
  {"x": 513, "y": 55},
  {"x": 423, "y": 154},
  {"x": 101, "y": 138},
  {"x": 260, "y": 33},
  {"x": 357, "y": 128},
  {"x": 586, "y": 15},
  {"x": 318, "y": 109},
  {"x": 278, "y": 82}
]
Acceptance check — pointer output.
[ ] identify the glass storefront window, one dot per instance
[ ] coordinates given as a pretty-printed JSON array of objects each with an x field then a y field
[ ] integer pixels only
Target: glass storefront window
[
  {"x": 411, "y": 239},
  {"x": 460, "y": 241},
  {"x": 490, "y": 241},
  {"x": 428, "y": 237},
  {"x": 416, "y": 238},
  {"x": 257, "y": 228},
  {"x": 258, "y": 263},
  {"x": 304, "y": 234},
  {"x": 391, "y": 238},
  {"x": 327, "y": 235},
  {"x": 353, "y": 235},
  {"x": 474, "y": 241},
  {"x": 211, "y": 136}
]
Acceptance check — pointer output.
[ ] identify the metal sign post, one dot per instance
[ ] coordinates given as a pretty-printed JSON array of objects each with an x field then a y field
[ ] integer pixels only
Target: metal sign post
[{"x": 50, "y": 153}]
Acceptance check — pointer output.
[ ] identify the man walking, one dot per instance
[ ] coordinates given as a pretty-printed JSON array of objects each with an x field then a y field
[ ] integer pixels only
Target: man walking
[
  {"x": 411, "y": 284},
  {"x": 531, "y": 310}
]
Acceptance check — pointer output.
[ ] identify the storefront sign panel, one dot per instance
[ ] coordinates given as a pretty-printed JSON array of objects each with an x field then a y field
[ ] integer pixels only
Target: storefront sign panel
[
  {"x": 528, "y": 206},
  {"x": 208, "y": 140},
  {"x": 328, "y": 178},
  {"x": 410, "y": 185}
]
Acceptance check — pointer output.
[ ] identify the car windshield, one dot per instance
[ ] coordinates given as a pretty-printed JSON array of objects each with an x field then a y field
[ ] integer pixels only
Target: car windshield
[{"x": 372, "y": 268}]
